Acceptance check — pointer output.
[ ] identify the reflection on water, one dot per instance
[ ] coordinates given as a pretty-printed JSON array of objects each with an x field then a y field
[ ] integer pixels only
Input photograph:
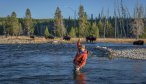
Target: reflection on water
[
  {"x": 79, "y": 77},
  {"x": 47, "y": 63},
  {"x": 137, "y": 70}
]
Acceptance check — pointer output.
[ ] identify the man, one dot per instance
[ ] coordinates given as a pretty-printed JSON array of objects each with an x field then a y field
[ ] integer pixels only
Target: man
[{"x": 81, "y": 56}]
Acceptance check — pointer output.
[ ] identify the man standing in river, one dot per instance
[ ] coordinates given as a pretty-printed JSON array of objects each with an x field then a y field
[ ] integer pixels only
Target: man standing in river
[{"x": 81, "y": 56}]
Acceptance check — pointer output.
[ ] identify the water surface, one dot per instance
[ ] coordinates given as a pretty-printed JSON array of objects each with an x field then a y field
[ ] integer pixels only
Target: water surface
[{"x": 52, "y": 64}]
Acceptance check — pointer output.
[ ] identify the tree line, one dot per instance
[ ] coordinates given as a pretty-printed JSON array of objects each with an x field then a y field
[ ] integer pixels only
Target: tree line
[{"x": 121, "y": 25}]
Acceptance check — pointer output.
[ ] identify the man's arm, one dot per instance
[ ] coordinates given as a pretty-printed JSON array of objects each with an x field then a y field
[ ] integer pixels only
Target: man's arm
[{"x": 78, "y": 44}]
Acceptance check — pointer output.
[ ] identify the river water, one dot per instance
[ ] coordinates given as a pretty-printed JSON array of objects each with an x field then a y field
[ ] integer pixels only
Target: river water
[{"x": 52, "y": 64}]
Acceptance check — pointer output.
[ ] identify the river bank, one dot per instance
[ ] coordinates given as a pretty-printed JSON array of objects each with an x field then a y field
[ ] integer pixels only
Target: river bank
[{"x": 28, "y": 40}]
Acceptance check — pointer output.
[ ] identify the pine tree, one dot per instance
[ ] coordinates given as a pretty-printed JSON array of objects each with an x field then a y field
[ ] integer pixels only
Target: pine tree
[
  {"x": 100, "y": 26},
  {"x": 58, "y": 23},
  {"x": 86, "y": 27},
  {"x": 15, "y": 24},
  {"x": 72, "y": 32},
  {"x": 95, "y": 30},
  {"x": 46, "y": 33},
  {"x": 8, "y": 28},
  {"x": 1, "y": 27},
  {"x": 83, "y": 23},
  {"x": 28, "y": 23},
  {"x": 20, "y": 29},
  {"x": 12, "y": 25},
  {"x": 109, "y": 30}
]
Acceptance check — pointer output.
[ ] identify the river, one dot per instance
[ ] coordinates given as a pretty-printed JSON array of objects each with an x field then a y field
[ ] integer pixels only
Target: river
[{"x": 52, "y": 64}]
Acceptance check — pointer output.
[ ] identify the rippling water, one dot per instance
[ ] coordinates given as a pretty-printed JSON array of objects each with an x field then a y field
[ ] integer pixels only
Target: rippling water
[{"x": 52, "y": 64}]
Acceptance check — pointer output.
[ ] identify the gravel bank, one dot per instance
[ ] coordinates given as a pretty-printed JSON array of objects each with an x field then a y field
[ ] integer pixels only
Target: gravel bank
[{"x": 135, "y": 53}]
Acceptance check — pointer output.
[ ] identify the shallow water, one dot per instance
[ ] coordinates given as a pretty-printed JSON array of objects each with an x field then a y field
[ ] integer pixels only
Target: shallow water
[{"x": 52, "y": 64}]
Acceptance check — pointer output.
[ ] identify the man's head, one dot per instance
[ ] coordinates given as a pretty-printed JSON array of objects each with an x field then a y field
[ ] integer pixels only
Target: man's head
[{"x": 82, "y": 47}]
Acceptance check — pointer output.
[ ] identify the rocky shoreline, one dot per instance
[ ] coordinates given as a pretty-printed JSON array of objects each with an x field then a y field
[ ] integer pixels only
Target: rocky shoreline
[{"x": 136, "y": 53}]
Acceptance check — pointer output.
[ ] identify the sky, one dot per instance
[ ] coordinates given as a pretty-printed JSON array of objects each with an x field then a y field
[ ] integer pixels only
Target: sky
[{"x": 42, "y": 9}]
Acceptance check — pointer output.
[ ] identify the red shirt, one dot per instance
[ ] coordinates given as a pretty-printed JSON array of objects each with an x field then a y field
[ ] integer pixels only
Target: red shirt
[{"x": 81, "y": 57}]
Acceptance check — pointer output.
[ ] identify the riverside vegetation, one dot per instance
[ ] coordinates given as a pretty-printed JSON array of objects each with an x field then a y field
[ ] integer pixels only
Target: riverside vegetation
[{"x": 122, "y": 25}]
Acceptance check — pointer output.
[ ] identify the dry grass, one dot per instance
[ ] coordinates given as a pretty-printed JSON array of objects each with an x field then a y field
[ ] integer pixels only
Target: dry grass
[
  {"x": 113, "y": 40},
  {"x": 26, "y": 40}
]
